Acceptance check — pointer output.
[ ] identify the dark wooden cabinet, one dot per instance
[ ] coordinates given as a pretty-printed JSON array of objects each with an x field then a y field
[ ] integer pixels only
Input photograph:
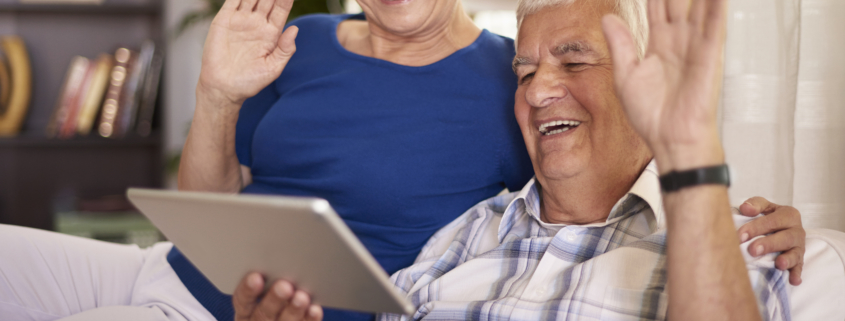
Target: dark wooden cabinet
[{"x": 39, "y": 175}]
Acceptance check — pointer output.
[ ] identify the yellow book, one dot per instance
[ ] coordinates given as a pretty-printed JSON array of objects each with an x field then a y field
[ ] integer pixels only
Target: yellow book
[{"x": 94, "y": 97}]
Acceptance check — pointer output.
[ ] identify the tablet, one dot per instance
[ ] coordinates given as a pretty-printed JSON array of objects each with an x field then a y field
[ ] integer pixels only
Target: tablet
[{"x": 293, "y": 238}]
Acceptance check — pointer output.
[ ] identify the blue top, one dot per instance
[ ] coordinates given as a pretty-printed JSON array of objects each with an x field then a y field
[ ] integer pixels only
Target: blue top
[{"x": 398, "y": 151}]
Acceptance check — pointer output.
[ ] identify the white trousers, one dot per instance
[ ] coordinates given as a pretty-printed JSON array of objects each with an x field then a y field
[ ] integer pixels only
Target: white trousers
[{"x": 48, "y": 276}]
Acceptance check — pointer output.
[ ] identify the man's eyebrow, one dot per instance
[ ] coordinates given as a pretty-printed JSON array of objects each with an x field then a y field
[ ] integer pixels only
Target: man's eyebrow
[
  {"x": 519, "y": 61},
  {"x": 573, "y": 47},
  {"x": 577, "y": 47}
]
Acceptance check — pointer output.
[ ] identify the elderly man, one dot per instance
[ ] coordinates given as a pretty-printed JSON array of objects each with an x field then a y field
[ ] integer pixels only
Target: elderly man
[{"x": 587, "y": 238}]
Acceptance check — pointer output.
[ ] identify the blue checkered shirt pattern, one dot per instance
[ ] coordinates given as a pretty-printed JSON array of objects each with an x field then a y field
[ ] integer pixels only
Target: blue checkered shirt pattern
[{"x": 499, "y": 261}]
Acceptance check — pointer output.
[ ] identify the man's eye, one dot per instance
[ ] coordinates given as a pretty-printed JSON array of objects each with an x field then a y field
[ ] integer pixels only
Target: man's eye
[
  {"x": 526, "y": 78},
  {"x": 576, "y": 65}
]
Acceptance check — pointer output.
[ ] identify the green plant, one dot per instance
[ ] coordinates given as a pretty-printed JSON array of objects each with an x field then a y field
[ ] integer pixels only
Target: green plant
[{"x": 300, "y": 7}]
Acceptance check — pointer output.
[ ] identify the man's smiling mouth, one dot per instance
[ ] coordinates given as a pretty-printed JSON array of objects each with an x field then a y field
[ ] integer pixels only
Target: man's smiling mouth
[{"x": 558, "y": 126}]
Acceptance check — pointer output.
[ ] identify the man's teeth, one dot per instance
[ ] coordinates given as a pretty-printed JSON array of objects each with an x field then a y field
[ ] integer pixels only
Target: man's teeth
[{"x": 568, "y": 124}]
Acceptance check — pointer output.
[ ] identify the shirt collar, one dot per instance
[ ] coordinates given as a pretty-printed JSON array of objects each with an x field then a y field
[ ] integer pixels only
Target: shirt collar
[{"x": 526, "y": 203}]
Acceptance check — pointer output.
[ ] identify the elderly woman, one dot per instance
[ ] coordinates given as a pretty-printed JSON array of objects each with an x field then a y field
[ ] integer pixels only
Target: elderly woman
[
  {"x": 401, "y": 117},
  {"x": 402, "y": 120}
]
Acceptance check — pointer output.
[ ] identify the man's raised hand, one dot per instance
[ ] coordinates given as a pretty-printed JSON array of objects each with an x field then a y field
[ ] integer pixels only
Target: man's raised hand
[
  {"x": 246, "y": 49},
  {"x": 670, "y": 95}
]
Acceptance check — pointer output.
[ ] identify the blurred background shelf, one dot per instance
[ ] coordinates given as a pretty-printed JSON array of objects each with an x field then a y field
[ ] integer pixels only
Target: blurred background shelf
[
  {"x": 39, "y": 176},
  {"x": 35, "y": 140},
  {"x": 108, "y": 8}
]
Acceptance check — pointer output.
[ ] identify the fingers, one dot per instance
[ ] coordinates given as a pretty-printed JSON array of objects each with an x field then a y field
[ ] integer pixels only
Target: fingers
[
  {"x": 782, "y": 241},
  {"x": 247, "y": 5},
  {"x": 315, "y": 313},
  {"x": 246, "y": 295},
  {"x": 287, "y": 45},
  {"x": 275, "y": 301},
  {"x": 278, "y": 15},
  {"x": 230, "y": 5},
  {"x": 706, "y": 15},
  {"x": 795, "y": 274},
  {"x": 623, "y": 51},
  {"x": 792, "y": 260},
  {"x": 775, "y": 219},
  {"x": 697, "y": 12},
  {"x": 656, "y": 12},
  {"x": 280, "y": 302},
  {"x": 298, "y": 307},
  {"x": 264, "y": 7},
  {"x": 677, "y": 10},
  {"x": 757, "y": 205},
  {"x": 715, "y": 23}
]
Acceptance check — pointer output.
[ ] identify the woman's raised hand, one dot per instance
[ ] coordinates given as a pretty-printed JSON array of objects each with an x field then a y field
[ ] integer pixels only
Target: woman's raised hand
[{"x": 246, "y": 49}]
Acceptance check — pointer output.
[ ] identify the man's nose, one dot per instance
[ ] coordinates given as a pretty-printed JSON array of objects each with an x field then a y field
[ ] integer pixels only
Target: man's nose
[{"x": 547, "y": 87}]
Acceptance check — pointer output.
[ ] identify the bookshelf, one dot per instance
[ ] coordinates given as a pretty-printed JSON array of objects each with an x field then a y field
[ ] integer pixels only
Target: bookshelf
[{"x": 38, "y": 175}]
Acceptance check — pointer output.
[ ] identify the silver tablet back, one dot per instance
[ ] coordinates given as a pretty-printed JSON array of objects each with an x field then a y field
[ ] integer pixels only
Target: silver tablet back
[{"x": 293, "y": 238}]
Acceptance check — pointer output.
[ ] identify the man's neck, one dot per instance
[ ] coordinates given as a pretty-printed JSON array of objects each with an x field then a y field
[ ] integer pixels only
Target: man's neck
[
  {"x": 420, "y": 48},
  {"x": 589, "y": 197}
]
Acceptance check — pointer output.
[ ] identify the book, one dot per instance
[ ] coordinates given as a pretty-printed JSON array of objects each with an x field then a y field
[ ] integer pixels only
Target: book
[
  {"x": 94, "y": 97},
  {"x": 150, "y": 94},
  {"x": 68, "y": 128},
  {"x": 68, "y": 95},
  {"x": 132, "y": 90},
  {"x": 20, "y": 70},
  {"x": 123, "y": 57}
]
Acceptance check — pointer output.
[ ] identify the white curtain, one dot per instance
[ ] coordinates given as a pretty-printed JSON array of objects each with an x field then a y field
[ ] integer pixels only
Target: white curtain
[{"x": 783, "y": 105}]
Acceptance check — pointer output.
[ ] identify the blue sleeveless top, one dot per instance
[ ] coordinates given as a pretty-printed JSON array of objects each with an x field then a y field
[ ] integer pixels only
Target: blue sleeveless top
[{"x": 398, "y": 151}]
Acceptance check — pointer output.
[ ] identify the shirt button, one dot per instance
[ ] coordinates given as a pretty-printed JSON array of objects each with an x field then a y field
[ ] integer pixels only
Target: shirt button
[{"x": 570, "y": 236}]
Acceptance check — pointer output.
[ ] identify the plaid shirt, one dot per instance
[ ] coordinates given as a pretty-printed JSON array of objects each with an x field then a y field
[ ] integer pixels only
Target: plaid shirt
[{"x": 499, "y": 261}]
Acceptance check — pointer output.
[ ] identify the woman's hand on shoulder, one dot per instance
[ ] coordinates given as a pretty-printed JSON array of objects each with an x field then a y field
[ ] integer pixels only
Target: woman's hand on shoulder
[
  {"x": 246, "y": 49},
  {"x": 784, "y": 233}
]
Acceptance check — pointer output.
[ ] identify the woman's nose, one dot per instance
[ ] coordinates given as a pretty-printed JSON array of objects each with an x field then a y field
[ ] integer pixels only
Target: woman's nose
[{"x": 546, "y": 87}]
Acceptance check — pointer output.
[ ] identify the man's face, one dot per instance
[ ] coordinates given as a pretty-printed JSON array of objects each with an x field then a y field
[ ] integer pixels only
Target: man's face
[{"x": 566, "y": 106}]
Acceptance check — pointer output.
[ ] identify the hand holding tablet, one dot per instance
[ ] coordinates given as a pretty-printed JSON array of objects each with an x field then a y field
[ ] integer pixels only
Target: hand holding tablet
[{"x": 301, "y": 240}]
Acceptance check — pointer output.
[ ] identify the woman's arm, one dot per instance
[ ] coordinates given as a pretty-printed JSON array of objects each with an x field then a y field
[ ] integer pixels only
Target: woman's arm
[
  {"x": 247, "y": 48},
  {"x": 670, "y": 99},
  {"x": 209, "y": 162}
]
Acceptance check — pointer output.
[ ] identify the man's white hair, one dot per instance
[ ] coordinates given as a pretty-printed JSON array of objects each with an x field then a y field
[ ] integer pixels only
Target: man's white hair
[{"x": 633, "y": 12}]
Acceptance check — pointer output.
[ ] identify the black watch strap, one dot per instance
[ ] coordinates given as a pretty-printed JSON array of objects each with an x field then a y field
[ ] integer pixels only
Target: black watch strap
[{"x": 674, "y": 181}]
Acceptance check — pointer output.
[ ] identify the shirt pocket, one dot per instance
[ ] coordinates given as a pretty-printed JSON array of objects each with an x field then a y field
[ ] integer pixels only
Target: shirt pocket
[{"x": 634, "y": 304}]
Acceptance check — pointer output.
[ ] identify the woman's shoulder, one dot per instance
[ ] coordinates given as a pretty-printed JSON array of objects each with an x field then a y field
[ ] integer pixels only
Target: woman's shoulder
[
  {"x": 501, "y": 42},
  {"x": 490, "y": 56}
]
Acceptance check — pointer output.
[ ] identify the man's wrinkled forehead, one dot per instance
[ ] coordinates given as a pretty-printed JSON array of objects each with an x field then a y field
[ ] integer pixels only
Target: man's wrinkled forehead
[{"x": 563, "y": 30}]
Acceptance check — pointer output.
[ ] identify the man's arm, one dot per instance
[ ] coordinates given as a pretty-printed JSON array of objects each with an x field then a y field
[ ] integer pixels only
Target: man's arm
[
  {"x": 707, "y": 275},
  {"x": 670, "y": 99}
]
